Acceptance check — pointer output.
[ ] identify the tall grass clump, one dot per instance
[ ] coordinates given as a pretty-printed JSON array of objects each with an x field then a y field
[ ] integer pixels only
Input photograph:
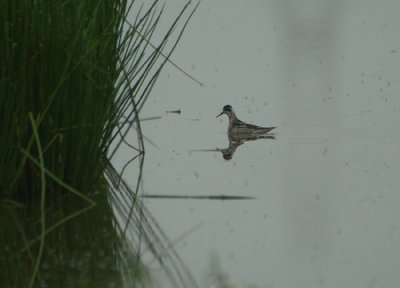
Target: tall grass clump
[
  {"x": 59, "y": 64},
  {"x": 77, "y": 67},
  {"x": 73, "y": 77}
]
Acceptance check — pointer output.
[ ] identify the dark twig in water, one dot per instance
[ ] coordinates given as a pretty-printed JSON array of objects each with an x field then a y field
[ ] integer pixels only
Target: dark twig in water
[
  {"x": 150, "y": 118},
  {"x": 174, "y": 111},
  {"x": 199, "y": 197}
]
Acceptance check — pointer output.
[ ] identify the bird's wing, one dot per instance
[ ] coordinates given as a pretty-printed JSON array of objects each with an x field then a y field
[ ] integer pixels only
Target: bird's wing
[{"x": 241, "y": 124}]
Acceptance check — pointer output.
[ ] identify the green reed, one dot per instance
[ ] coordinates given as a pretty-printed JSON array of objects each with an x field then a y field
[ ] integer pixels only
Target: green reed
[
  {"x": 83, "y": 73},
  {"x": 73, "y": 77}
]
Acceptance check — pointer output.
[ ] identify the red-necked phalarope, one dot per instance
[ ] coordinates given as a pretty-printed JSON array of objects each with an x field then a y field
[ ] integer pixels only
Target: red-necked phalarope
[{"x": 239, "y": 127}]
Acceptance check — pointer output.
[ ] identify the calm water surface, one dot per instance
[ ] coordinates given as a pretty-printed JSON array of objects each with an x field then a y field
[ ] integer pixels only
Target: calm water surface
[{"x": 327, "y": 204}]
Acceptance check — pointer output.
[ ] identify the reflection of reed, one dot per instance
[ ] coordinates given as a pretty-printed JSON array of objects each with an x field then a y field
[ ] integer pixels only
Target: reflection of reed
[
  {"x": 142, "y": 233},
  {"x": 84, "y": 248}
]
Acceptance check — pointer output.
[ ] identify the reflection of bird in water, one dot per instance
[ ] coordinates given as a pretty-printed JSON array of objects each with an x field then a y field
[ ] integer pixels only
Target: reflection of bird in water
[
  {"x": 234, "y": 142},
  {"x": 237, "y": 127},
  {"x": 237, "y": 140}
]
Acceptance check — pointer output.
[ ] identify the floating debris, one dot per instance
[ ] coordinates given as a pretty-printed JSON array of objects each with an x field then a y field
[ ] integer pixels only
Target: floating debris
[
  {"x": 199, "y": 197},
  {"x": 174, "y": 111}
]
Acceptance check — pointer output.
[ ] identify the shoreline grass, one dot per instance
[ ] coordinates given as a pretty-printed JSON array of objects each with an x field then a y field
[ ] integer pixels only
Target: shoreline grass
[{"x": 74, "y": 76}]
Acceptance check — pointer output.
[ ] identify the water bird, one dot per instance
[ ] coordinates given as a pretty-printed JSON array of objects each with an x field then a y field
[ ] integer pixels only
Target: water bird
[{"x": 238, "y": 127}]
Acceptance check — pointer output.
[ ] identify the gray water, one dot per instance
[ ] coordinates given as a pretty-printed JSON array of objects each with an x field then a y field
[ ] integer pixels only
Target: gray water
[{"x": 326, "y": 205}]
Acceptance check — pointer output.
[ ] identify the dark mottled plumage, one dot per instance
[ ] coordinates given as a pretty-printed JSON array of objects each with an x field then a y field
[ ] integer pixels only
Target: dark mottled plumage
[{"x": 239, "y": 127}]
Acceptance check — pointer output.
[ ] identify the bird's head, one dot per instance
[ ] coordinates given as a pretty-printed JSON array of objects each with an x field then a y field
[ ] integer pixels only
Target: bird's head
[{"x": 226, "y": 110}]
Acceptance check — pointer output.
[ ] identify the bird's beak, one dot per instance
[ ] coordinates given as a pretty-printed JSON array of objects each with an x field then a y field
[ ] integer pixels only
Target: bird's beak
[{"x": 220, "y": 114}]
